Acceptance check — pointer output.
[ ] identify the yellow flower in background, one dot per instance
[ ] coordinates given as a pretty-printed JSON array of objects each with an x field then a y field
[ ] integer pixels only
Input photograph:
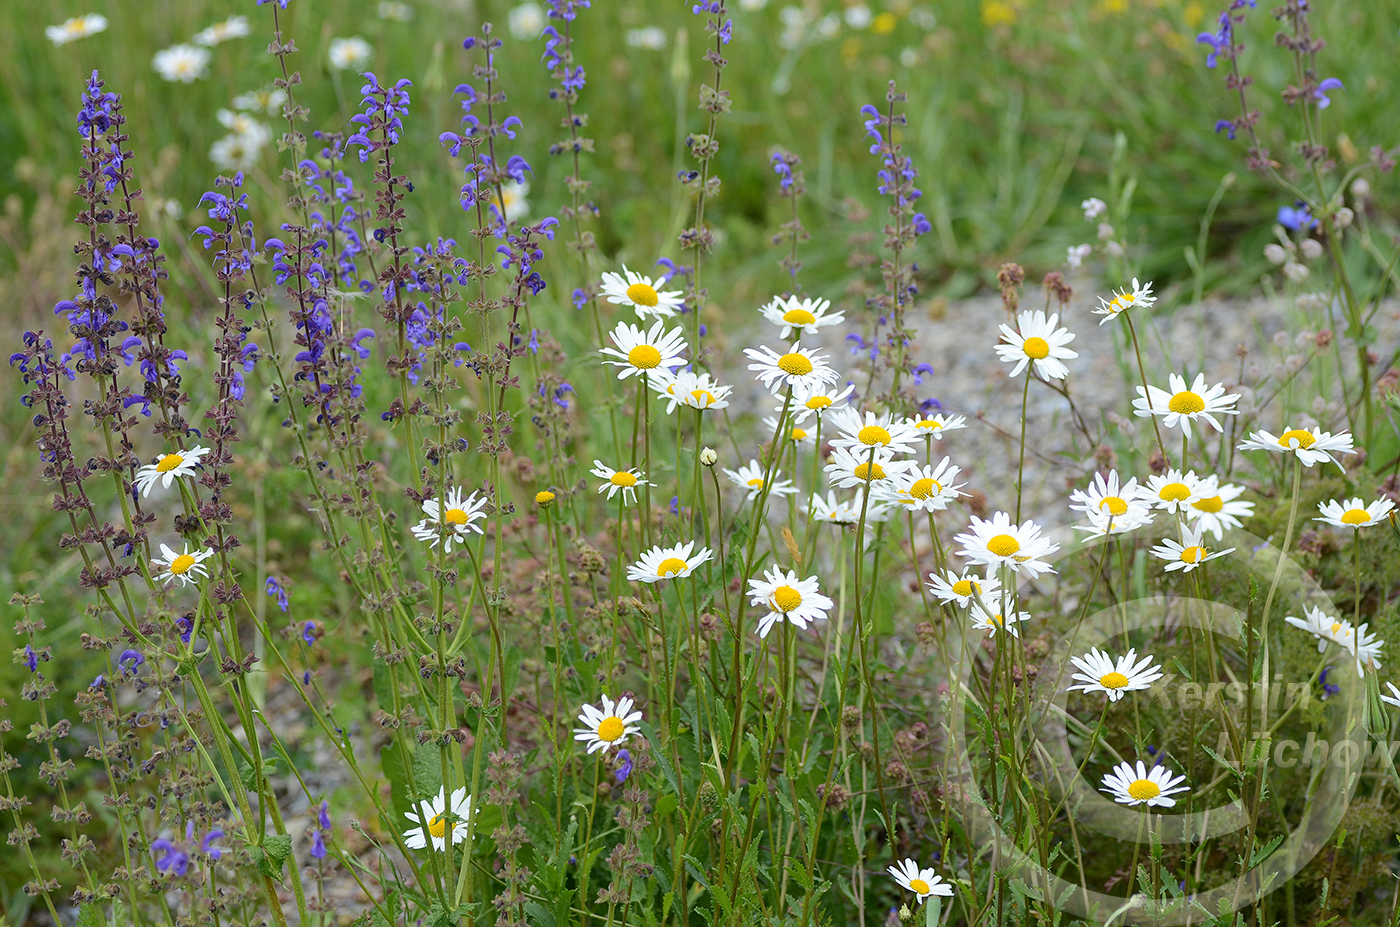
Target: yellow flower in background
[
  {"x": 1113, "y": 6},
  {"x": 1193, "y": 14},
  {"x": 884, "y": 23},
  {"x": 998, "y": 13}
]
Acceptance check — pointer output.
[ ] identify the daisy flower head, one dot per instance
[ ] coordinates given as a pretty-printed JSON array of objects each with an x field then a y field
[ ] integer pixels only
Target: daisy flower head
[
  {"x": 352, "y": 54},
  {"x": 607, "y": 725},
  {"x": 614, "y": 481},
  {"x": 922, "y": 489},
  {"x": 1320, "y": 625},
  {"x": 1107, "y": 495},
  {"x": 452, "y": 524},
  {"x": 1182, "y": 406},
  {"x": 1355, "y": 512},
  {"x": 922, "y": 882},
  {"x": 836, "y": 511},
  {"x": 1189, "y": 553},
  {"x": 79, "y": 27},
  {"x": 1125, "y": 299},
  {"x": 801, "y": 368},
  {"x": 994, "y": 618},
  {"x": 817, "y": 399},
  {"x": 750, "y": 477},
  {"x": 787, "y": 598},
  {"x": 692, "y": 390},
  {"x": 1139, "y": 786},
  {"x": 182, "y": 566},
  {"x": 860, "y": 433},
  {"x": 998, "y": 542},
  {"x": 1367, "y": 649},
  {"x": 185, "y": 63},
  {"x": 796, "y": 434},
  {"x": 849, "y": 469},
  {"x": 668, "y": 563},
  {"x": 641, "y": 293},
  {"x": 639, "y": 352},
  {"x": 437, "y": 818},
  {"x": 804, "y": 316},
  {"x": 235, "y": 27},
  {"x": 1114, "y": 678},
  {"x": 1311, "y": 445},
  {"x": 1102, "y": 524},
  {"x": 1215, "y": 513},
  {"x": 1173, "y": 491},
  {"x": 1039, "y": 343},
  {"x": 964, "y": 588},
  {"x": 167, "y": 468},
  {"x": 933, "y": 426}
]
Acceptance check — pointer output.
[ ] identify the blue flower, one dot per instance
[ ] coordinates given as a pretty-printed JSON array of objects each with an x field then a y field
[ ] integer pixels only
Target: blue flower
[
  {"x": 1220, "y": 42},
  {"x": 624, "y": 765},
  {"x": 1328, "y": 689},
  {"x": 308, "y": 632},
  {"x": 1320, "y": 94},
  {"x": 134, "y": 657},
  {"x": 172, "y": 858},
  {"x": 1296, "y": 217},
  {"x": 920, "y": 371},
  {"x": 1228, "y": 125},
  {"x": 207, "y": 844},
  {"x": 275, "y": 587},
  {"x": 318, "y": 845},
  {"x": 31, "y": 659}
]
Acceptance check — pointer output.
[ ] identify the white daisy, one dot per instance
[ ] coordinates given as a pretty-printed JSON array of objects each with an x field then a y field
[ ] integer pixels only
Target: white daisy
[
  {"x": 964, "y": 588},
  {"x": 1319, "y": 624},
  {"x": 1215, "y": 513},
  {"x": 1173, "y": 491},
  {"x": 182, "y": 566},
  {"x": 453, "y": 525},
  {"x": 526, "y": 21},
  {"x": 1102, "y": 524},
  {"x": 1394, "y": 697},
  {"x": 922, "y": 882},
  {"x": 796, "y": 601},
  {"x": 1101, "y": 673},
  {"x": 849, "y": 470},
  {"x": 235, "y": 27},
  {"x": 513, "y": 196},
  {"x": 352, "y": 54},
  {"x": 1367, "y": 648},
  {"x": 1310, "y": 444},
  {"x": 1130, "y": 786},
  {"x": 800, "y": 368},
  {"x": 167, "y": 468},
  {"x": 816, "y": 399},
  {"x": 998, "y": 542},
  {"x": 1124, "y": 300},
  {"x": 1182, "y": 406},
  {"x": 860, "y": 433},
  {"x": 796, "y": 434},
  {"x": 639, "y": 352},
  {"x": 922, "y": 489},
  {"x": 693, "y": 390},
  {"x": 750, "y": 477},
  {"x": 185, "y": 63},
  {"x": 933, "y": 426},
  {"x": 607, "y": 726},
  {"x": 1354, "y": 513},
  {"x": 641, "y": 293},
  {"x": 846, "y": 513},
  {"x": 668, "y": 563},
  {"x": 237, "y": 151},
  {"x": 1108, "y": 496},
  {"x": 79, "y": 27},
  {"x": 614, "y": 481},
  {"x": 805, "y": 316},
  {"x": 994, "y": 619},
  {"x": 436, "y": 819},
  {"x": 1188, "y": 554},
  {"x": 1038, "y": 343}
]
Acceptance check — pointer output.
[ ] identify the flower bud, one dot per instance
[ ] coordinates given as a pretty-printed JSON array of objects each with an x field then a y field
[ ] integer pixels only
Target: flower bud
[
  {"x": 1311, "y": 248},
  {"x": 1295, "y": 272},
  {"x": 1360, "y": 189},
  {"x": 708, "y": 457},
  {"x": 1275, "y": 254},
  {"x": 543, "y": 498},
  {"x": 1343, "y": 217}
]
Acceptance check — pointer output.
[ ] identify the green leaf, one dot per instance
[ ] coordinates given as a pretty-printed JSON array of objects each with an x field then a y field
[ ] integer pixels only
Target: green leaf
[
  {"x": 933, "y": 909},
  {"x": 90, "y": 915},
  {"x": 665, "y": 805},
  {"x": 427, "y": 770}
]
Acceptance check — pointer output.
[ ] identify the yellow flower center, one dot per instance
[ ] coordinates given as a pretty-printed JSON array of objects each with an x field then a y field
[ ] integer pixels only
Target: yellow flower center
[
  {"x": 669, "y": 567},
  {"x": 1355, "y": 517},
  {"x": 1186, "y": 402},
  {"x": 181, "y": 564},
  {"x": 1305, "y": 439},
  {"x": 544, "y": 497},
  {"x": 873, "y": 434},
  {"x": 644, "y": 356},
  {"x": 1144, "y": 789},
  {"x": 439, "y": 826},
  {"x": 1114, "y": 681},
  {"x": 1336, "y": 626},
  {"x": 703, "y": 398},
  {"x": 455, "y": 517},
  {"x": 610, "y": 729},
  {"x": 1213, "y": 504},
  {"x": 642, "y": 294},
  {"x": 1036, "y": 348},
  {"x": 1003, "y": 545},
  {"x": 799, "y": 317},
  {"x": 798, "y": 434},
  {"x": 919, "y": 887},
  {"x": 786, "y": 598},
  {"x": 925, "y": 487},
  {"x": 756, "y": 483},
  {"x": 1115, "y": 505},
  {"x": 795, "y": 364},
  {"x": 869, "y": 471},
  {"x": 1174, "y": 492},
  {"x": 623, "y": 478},
  {"x": 1193, "y": 555},
  {"x": 929, "y": 423},
  {"x": 168, "y": 462},
  {"x": 966, "y": 587},
  {"x": 1118, "y": 303},
  {"x": 818, "y": 402}
]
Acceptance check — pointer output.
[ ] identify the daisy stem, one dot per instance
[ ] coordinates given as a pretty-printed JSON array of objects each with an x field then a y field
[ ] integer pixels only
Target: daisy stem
[
  {"x": 1142, "y": 372},
  {"x": 1356, "y": 559},
  {"x": 1278, "y": 574},
  {"x": 646, "y": 462},
  {"x": 1021, "y": 466},
  {"x": 1185, "y": 440},
  {"x": 1137, "y": 846}
]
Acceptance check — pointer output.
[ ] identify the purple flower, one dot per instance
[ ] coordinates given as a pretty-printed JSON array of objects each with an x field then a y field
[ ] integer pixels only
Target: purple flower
[
  {"x": 98, "y": 684},
  {"x": 318, "y": 845},
  {"x": 930, "y": 405},
  {"x": 171, "y": 859},
  {"x": 1320, "y": 94},
  {"x": 920, "y": 371},
  {"x": 306, "y": 678},
  {"x": 1328, "y": 689},
  {"x": 31, "y": 659},
  {"x": 624, "y": 765},
  {"x": 277, "y": 588},
  {"x": 308, "y": 632},
  {"x": 134, "y": 657},
  {"x": 323, "y": 818},
  {"x": 1296, "y": 217},
  {"x": 1228, "y": 125},
  {"x": 1220, "y": 42},
  {"x": 207, "y": 844},
  {"x": 675, "y": 505},
  {"x": 872, "y": 127},
  {"x": 921, "y": 224}
]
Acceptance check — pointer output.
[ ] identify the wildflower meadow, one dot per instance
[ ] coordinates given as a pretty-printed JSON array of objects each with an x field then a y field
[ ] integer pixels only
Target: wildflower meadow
[{"x": 589, "y": 463}]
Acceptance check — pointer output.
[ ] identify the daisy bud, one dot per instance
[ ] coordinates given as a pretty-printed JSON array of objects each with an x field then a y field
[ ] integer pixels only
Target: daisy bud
[
  {"x": 543, "y": 498},
  {"x": 1343, "y": 217},
  {"x": 708, "y": 457},
  {"x": 1311, "y": 248},
  {"x": 1275, "y": 254},
  {"x": 1295, "y": 272},
  {"x": 1360, "y": 188}
]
